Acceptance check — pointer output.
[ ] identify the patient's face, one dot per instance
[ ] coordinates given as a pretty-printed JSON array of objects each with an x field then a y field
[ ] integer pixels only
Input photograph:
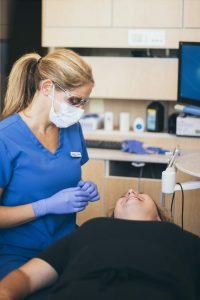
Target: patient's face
[{"x": 136, "y": 206}]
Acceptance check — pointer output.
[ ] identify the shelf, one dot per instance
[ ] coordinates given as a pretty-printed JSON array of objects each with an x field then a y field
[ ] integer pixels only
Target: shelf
[
  {"x": 155, "y": 139},
  {"x": 127, "y": 134}
]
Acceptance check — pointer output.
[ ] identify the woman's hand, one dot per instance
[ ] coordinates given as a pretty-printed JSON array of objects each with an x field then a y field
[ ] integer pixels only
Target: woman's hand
[
  {"x": 66, "y": 201},
  {"x": 91, "y": 188}
]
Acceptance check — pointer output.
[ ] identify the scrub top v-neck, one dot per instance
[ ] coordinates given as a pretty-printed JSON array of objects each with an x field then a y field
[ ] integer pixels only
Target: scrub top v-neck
[
  {"x": 30, "y": 135},
  {"x": 30, "y": 172}
]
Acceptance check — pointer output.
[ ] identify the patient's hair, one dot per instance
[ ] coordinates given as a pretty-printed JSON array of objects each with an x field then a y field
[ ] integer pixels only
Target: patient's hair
[{"x": 162, "y": 213}]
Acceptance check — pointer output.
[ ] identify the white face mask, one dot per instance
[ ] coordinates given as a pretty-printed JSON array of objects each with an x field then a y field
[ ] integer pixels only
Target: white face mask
[{"x": 66, "y": 116}]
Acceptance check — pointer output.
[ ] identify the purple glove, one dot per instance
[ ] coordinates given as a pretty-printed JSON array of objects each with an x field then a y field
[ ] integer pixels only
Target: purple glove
[
  {"x": 133, "y": 146},
  {"x": 91, "y": 188},
  {"x": 66, "y": 201}
]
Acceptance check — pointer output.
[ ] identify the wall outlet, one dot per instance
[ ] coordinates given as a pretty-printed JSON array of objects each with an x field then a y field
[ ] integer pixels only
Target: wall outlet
[{"x": 146, "y": 37}]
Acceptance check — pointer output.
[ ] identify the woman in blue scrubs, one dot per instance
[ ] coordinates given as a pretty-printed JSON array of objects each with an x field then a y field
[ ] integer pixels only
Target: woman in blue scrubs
[{"x": 41, "y": 152}]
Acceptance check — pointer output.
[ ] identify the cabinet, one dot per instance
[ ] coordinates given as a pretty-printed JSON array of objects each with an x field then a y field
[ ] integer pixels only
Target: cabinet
[
  {"x": 131, "y": 75},
  {"x": 145, "y": 13},
  {"x": 76, "y": 13},
  {"x": 106, "y": 23},
  {"x": 191, "y": 14},
  {"x": 111, "y": 24}
]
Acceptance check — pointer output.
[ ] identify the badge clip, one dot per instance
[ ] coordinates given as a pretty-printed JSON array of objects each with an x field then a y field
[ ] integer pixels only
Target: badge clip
[{"x": 75, "y": 154}]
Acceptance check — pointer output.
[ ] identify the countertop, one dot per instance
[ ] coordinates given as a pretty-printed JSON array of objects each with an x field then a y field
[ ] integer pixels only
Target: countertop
[
  {"x": 189, "y": 163},
  {"x": 163, "y": 140},
  {"x": 107, "y": 154}
]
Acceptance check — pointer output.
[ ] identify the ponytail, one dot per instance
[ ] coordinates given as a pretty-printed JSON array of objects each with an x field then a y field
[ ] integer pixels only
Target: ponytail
[
  {"x": 22, "y": 84},
  {"x": 63, "y": 66}
]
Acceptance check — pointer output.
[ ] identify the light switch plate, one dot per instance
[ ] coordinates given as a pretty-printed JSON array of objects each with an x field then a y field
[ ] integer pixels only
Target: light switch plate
[{"x": 146, "y": 37}]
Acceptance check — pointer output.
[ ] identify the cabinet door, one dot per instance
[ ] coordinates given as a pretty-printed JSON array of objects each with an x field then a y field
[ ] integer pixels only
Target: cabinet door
[
  {"x": 147, "y": 13},
  {"x": 77, "y": 13},
  {"x": 93, "y": 170},
  {"x": 132, "y": 74},
  {"x": 191, "y": 13},
  {"x": 152, "y": 187}
]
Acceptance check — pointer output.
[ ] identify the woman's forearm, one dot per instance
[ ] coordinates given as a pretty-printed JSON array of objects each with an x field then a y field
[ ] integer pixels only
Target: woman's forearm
[
  {"x": 36, "y": 274},
  {"x": 14, "y": 286},
  {"x": 17, "y": 215}
]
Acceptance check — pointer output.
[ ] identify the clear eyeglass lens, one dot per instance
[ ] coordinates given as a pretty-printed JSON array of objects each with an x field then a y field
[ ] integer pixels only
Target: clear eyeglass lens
[{"x": 73, "y": 100}]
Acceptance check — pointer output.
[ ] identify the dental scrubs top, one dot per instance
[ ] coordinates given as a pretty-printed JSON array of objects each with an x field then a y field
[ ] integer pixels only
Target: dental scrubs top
[{"x": 30, "y": 172}]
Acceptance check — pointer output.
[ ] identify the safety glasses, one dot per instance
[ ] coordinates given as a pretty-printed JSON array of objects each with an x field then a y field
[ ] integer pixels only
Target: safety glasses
[{"x": 72, "y": 99}]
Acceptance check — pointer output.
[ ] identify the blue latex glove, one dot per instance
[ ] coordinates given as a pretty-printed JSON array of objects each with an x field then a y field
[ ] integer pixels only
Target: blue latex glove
[
  {"x": 133, "y": 146},
  {"x": 66, "y": 201},
  {"x": 156, "y": 150},
  {"x": 91, "y": 188}
]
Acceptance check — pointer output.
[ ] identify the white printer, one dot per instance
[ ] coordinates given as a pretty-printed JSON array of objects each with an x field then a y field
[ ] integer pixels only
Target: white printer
[{"x": 188, "y": 125}]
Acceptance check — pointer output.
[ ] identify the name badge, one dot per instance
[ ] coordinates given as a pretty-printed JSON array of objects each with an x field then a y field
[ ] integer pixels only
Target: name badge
[{"x": 75, "y": 154}]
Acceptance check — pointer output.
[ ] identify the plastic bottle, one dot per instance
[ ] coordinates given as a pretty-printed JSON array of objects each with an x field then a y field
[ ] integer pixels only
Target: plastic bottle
[{"x": 155, "y": 117}]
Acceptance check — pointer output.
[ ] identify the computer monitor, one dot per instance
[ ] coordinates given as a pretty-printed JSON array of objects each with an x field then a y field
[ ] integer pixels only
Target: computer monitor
[{"x": 189, "y": 74}]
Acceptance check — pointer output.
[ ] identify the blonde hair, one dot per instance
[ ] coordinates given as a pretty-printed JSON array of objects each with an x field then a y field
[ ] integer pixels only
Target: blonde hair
[
  {"x": 63, "y": 66},
  {"x": 163, "y": 213}
]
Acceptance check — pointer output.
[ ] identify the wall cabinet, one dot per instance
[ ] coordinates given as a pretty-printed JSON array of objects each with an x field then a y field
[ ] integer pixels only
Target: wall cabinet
[
  {"x": 111, "y": 24},
  {"x": 76, "y": 13},
  {"x": 191, "y": 14},
  {"x": 134, "y": 78},
  {"x": 145, "y": 13},
  {"x": 106, "y": 23}
]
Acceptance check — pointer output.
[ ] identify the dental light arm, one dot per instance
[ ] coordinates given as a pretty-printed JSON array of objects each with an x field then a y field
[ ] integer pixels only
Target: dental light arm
[
  {"x": 169, "y": 185},
  {"x": 169, "y": 175},
  {"x": 190, "y": 185}
]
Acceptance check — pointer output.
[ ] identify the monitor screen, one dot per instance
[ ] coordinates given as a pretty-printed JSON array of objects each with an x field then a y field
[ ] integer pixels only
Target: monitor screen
[{"x": 189, "y": 73}]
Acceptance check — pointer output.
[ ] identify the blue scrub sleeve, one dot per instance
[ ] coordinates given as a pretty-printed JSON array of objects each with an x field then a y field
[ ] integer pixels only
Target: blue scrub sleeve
[
  {"x": 5, "y": 166},
  {"x": 85, "y": 157}
]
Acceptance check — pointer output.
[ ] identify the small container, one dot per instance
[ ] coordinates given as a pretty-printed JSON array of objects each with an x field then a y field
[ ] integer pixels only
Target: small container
[
  {"x": 124, "y": 121},
  {"x": 155, "y": 117},
  {"x": 138, "y": 125},
  {"x": 108, "y": 121}
]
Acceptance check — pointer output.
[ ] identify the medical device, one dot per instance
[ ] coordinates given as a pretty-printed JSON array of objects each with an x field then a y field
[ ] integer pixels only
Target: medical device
[
  {"x": 169, "y": 185},
  {"x": 188, "y": 125},
  {"x": 169, "y": 175}
]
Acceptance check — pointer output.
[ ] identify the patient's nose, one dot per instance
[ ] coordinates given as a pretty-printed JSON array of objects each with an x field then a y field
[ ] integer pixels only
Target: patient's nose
[{"x": 131, "y": 191}]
